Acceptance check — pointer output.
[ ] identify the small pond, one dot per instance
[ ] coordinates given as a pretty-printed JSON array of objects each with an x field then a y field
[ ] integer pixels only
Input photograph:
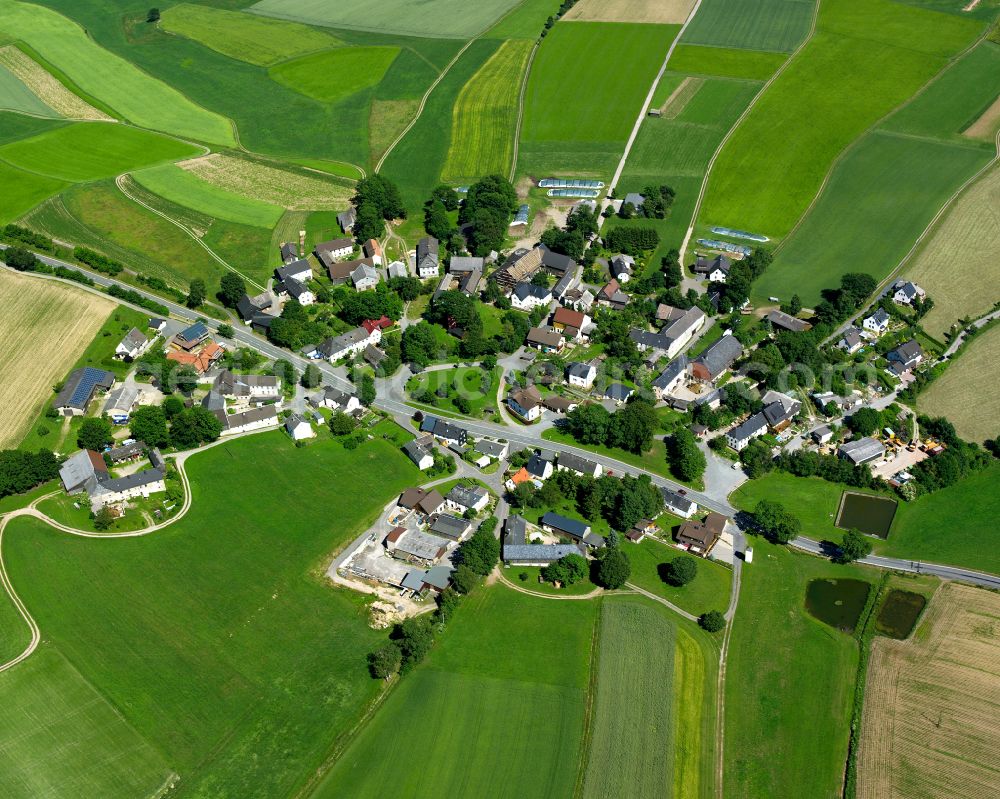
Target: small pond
[
  {"x": 871, "y": 515},
  {"x": 899, "y": 613},
  {"x": 837, "y": 602}
]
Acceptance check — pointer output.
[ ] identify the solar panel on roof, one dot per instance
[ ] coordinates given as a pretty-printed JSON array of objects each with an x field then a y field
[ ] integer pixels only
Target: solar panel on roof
[
  {"x": 85, "y": 388},
  {"x": 196, "y": 331},
  {"x": 590, "y": 193}
]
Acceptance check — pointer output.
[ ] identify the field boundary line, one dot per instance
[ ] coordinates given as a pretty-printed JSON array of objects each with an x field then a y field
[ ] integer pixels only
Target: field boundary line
[
  {"x": 662, "y": 601},
  {"x": 739, "y": 120},
  {"x": 588, "y": 709},
  {"x": 119, "y": 182},
  {"x": 649, "y": 97},
  {"x": 520, "y": 112}
]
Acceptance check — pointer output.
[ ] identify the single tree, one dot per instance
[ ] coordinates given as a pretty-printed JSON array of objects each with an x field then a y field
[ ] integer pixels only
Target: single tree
[
  {"x": 385, "y": 661},
  {"x": 687, "y": 462},
  {"x": 367, "y": 392},
  {"x": 464, "y": 579},
  {"x": 680, "y": 571},
  {"x": 194, "y": 426},
  {"x": 185, "y": 379},
  {"x": 712, "y": 621},
  {"x": 614, "y": 569},
  {"x": 148, "y": 423},
  {"x": 232, "y": 287},
  {"x": 172, "y": 406},
  {"x": 94, "y": 433},
  {"x": 104, "y": 518},
  {"x": 341, "y": 423},
  {"x": 226, "y": 331},
  {"x": 414, "y": 637},
  {"x": 854, "y": 546},
  {"x": 153, "y": 15},
  {"x": 312, "y": 376},
  {"x": 196, "y": 293}
]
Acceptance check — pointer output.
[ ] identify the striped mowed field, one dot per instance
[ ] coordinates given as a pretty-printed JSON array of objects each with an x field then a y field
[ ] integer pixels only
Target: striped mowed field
[{"x": 45, "y": 327}]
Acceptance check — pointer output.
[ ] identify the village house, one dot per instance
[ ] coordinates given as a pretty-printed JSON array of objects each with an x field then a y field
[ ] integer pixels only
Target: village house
[
  {"x": 253, "y": 419},
  {"x": 120, "y": 403},
  {"x": 570, "y": 323},
  {"x": 636, "y": 200},
  {"x": 372, "y": 249},
  {"x": 715, "y": 269},
  {"x": 714, "y": 361},
  {"x": 905, "y": 292},
  {"x": 851, "y": 341},
  {"x": 421, "y": 451},
  {"x": 126, "y": 453},
  {"x": 397, "y": 269},
  {"x": 248, "y": 307},
  {"x": 682, "y": 329},
  {"x": 157, "y": 325},
  {"x": 79, "y": 468},
  {"x": 544, "y": 339},
  {"x": 742, "y": 434},
  {"x": 861, "y": 450},
  {"x": 346, "y": 219},
  {"x": 86, "y": 471},
  {"x": 640, "y": 530},
  {"x": 427, "y": 257},
  {"x": 444, "y": 430},
  {"x": 465, "y": 498},
  {"x": 132, "y": 346},
  {"x": 346, "y": 344},
  {"x": 288, "y": 251},
  {"x": 671, "y": 378},
  {"x": 298, "y": 291},
  {"x": 249, "y": 388},
  {"x": 612, "y": 296},
  {"x": 202, "y": 360},
  {"x": 678, "y": 504},
  {"x": 496, "y": 450},
  {"x": 342, "y": 272},
  {"x": 779, "y": 319},
  {"x": 298, "y": 427},
  {"x": 525, "y": 403},
  {"x": 568, "y": 462},
  {"x": 621, "y": 267},
  {"x": 528, "y": 296},
  {"x": 564, "y": 284},
  {"x": 364, "y": 277},
  {"x": 822, "y": 435},
  {"x": 330, "y": 251},
  {"x": 557, "y": 404},
  {"x": 578, "y": 299},
  {"x": 518, "y": 552},
  {"x": 562, "y": 525},
  {"x": 424, "y": 501},
  {"x": 80, "y": 388},
  {"x": 779, "y": 410},
  {"x": 191, "y": 337},
  {"x": 464, "y": 264},
  {"x": 299, "y": 270},
  {"x": 699, "y": 537},
  {"x": 618, "y": 393},
  {"x": 905, "y": 358},
  {"x": 581, "y": 375},
  {"x": 878, "y": 322},
  {"x": 539, "y": 466},
  {"x": 556, "y": 263},
  {"x": 335, "y": 400}
]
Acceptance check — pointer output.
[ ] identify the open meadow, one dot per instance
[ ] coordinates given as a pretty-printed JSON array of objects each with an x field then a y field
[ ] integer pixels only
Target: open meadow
[
  {"x": 963, "y": 250},
  {"x": 966, "y": 393},
  {"x": 571, "y": 77},
  {"x": 49, "y": 91},
  {"x": 866, "y": 58},
  {"x": 778, "y": 25},
  {"x": 115, "y": 82},
  {"x": 789, "y": 682},
  {"x": 441, "y": 18},
  {"x": 229, "y": 654},
  {"x": 485, "y": 115},
  {"x": 931, "y": 703},
  {"x": 725, "y": 63},
  {"x": 22, "y": 191},
  {"x": 45, "y": 326},
  {"x": 16, "y": 96},
  {"x": 355, "y": 68},
  {"x": 658, "y": 11},
  {"x": 709, "y": 590}
]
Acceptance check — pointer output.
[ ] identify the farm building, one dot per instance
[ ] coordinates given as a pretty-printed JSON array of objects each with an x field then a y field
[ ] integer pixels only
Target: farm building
[
  {"x": 569, "y": 183},
  {"x": 708, "y": 366},
  {"x": 420, "y": 451},
  {"x": 425, "y": 501},
  {"x": 862, "y": 450},
  {"x": 120, "y": 403},
  {"x": 780, "y": 319},
  {"x": 562, "y": 525},
  {"x": 80, "y": 388}
]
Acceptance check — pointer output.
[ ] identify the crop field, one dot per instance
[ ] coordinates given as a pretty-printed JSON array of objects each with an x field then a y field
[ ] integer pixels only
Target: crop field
[
  {"x": 986, "y": 127},
  {"x": 866, "y": 58},
  {"x": 49, "y": 710},
  {"x": 964, "y": 250},
  {"x": 778, "y": 25},
  {"x": 523, "y": 21},
  {"x": 454, "y": 19},
  {"x": 484, "y": 117},
  {"x": 676, "y": 149},
  {"x": 511, "y": 673},
  {"x": 116, "y": 82},
  {"x": 855, "y": 225},
  {"x": 725, "y": 62},
  {"x": 246, "y": 37},
  {"x": 49, "y": 91},
  {"x": 15, "y": 96},
  {"x": 45, "y": 326},
  {"x": 576, "y": 140},
  {"x": 966, "y": 392},
  {"x": 788, "y": 704},
  {"x": 931, "y": 704},
  {"x": 708, "y": 591},
  {"x": 335, "y": 74},
  {"x": 660, "y": 11},
  {"x": 209, "y": 611},
  {"x": 92, "y": 150},
  {"x": 14, "y": 126},
  {"x": 22, "y": 191},
  {"x": 259, "y": 181},
  {"x": 185, "y": 188},
  {"x": 662, "y": 696}
]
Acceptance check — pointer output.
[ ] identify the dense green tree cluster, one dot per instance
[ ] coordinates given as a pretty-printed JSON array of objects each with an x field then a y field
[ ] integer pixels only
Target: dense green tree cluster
[
  {"x": 630, "y": 428},
  {"x": 567, "y": 570},
  {"x": 632, "y": 240},
  {"x": 775, "y": 522},
  {"x": 148, "y": 423},
  {"x": 94, "y": 433},
  {"x": 657, "y": 201},
  {"x": 854, "y": 546},
  {"x": 571, "y": 240},
  {"x": 489, "y": 207},
  {"x": 686, "y": 461},
  {"x": 194, "y": 426},
  {"x": 358, "y": 306},
  {"x": 376, "y": 199},
  {"x": 20, "y": 470},
  {"x": 481, "y": 551}
]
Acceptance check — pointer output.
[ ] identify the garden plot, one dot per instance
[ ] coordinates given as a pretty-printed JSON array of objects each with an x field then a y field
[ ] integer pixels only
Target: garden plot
[{"x": 50, "y": 91}]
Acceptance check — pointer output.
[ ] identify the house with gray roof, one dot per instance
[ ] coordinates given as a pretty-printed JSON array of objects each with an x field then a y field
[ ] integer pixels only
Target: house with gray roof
[
  {"x": 364, "y": 277},
  {"x": 538, "y": 554},
  {"x": 80, "y": 468},
  {"x": 420, "y": 451},
  {"x": 877, "y": 322},
  {"x": 120, "y": 403},
  {"x": 851, "y": 341},
  {"x": 671, "y": 378},
  {"x": 452, "y": 527},
  {"x": 780, "y": 319},
  {"x": 527, "y": 296},
  {"x": 742, "y": 434},
  {"x": 497, "y": 450},
  {"x": 80, "y": 388},
  {"x": 132, "y": 346},
  {"x": 461, "y": 264},
  {"x": 904, "y": 358},
  {"x": 862, "y": 450},
  {"x": 415, "y": 546},
  {"x": 397, "y": 269},
  {"x": 427, "y": 257},
  {"x": 678, "y": 504},
  {"x": 722, "y": 354},
  {"x": 465, "y": 498},
  {"x": 300, "y": 270},
  {"x": 346, "y": 219},
  {"x": 570, "y": 462}
]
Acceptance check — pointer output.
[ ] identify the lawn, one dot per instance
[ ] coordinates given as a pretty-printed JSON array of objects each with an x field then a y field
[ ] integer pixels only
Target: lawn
[
  {"x": 966, "y": 392},
  {"x": 708, "y": 591},
  {"x": 181, "y": 186},
  {"x": 535, "y": 582},
  {"x": 229, "y": 654},
  {"x": 575, "y": 139},
  {"x": 866, "y": 58},
  {"x": 45, "y": 327},
  {"x": 22, "y": 191},
  {"x": 752, "y": 24},
  {"x": 510, "y": 673},
  {"x": 485, "y": 115},
  {"x": 92, "y": 150},
  {"x": 439, "y": 19},
  {"x": 119, "y": 84},
  {"x": 471, "y": 382},
  {"x": 246, "y": 37},
  {"x": 964, "y": 250},
  {"x": 789, "y": 684},
  {"x": 855, "y": 225},
  {"x": 15, "y": 96},
  {"x": 725, "y": 62},
  {"x": 335, "y": 74}
]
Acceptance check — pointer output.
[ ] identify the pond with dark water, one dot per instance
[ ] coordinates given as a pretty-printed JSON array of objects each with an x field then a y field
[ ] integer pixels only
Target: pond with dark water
[
  {"x": 871, "y": 515},
  {"x": 838, "y": 603},
  {"x": 899, "y": 613}
]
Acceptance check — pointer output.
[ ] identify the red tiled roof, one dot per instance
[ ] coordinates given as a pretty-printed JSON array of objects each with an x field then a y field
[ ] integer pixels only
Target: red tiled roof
[{"x": 382, "y": 323}]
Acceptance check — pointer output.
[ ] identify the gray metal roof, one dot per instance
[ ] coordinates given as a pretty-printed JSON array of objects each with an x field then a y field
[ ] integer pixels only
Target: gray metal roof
[
  {"x": 492, "y": 448},
  {"x": 676, "y": 367},
  {"x": 450, "y": 526},
  {"x": 575, "y": 463},
  {"x": 538, "y": 553},
  {"x": 76, "y": 469},
  {"x": 753, "y": 426},
  {"x": 573, "y": 527},
  {"x": 862, "y": 450},
  {"x": 720, "y": 355},
  {"x": 79, "y": 388}
]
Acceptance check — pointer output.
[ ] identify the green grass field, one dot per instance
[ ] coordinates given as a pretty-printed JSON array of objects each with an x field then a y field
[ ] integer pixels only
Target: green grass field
[
  {"x": 855, "y": 225},
  {"x": 15, "y": 96},
  {"x": 441, "y": 19},
  {"x": 708, "y": 591},
  {"x": 473, "y": 383},
  {"x": 867, "y": 57},
  {"x": 578, "y": 69},
  {"x": 725, "y": 62},
  {"x": 524, "y": 21},
  {"x": 14, "y": 127},
  {"x": 114, "y": 81},
  {"x": 228, "y": 652},
  {"x": 92, "y": 150},
  {"x": 652, "y": 460},
  {"x": 752, "y": 24},
  {"x": 181, "y": 187},
  {"x": 22, "y": 191},
  {"x": 510, "y": 673},
  {"x": 789, "y": 682},
  {"x": 335, "y": 74},
  {"x": 246, "y": 37},
  {"x": 485, "y": 115}
]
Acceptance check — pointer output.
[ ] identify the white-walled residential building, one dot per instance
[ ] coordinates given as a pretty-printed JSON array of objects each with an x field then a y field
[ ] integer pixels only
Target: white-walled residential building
[
  {"x": 679, "y": 332},
  {"x": 878, "y": 322},
  {"x": 299, "y": 428},
  {"x": 905, "y": 292},
  {"x": 253, "y": 419},
  {"x": 678, "y": 504},
  {"x": 428, "y": 264},
  {"x": 581, "y": 375},
  {"x": 397, "y": 269},
  {"x": 464, "y": 498},
  {"x": 621, "y": 268},
  {"x": 364, "y": 277},
  {"x": 348, "y": 344},
  {"x": 327, "y": 251},
  {"x": 742, "y": 434},
  {"x": 568, "y": 462},
  {"x": 372, "y": 249},
  {"x": 527, "y": 296},
  {"x": 300, "y": 270},
  {"x": 298, "y": 290},
  {"x": 120, "y": 403},
  {"x": 525, "y": 403},
  {"x": 851, "y": 341},
  {"x": 421, "y": 451},
  {"x": 252, "y": 387},
  {"x": 671, "y": 378},
  {"x": 335, "y": 400},
  {"x": 132, "y": 346}
]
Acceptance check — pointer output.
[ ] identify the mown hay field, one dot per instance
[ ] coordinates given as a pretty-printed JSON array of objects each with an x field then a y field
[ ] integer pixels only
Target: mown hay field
[
  {"x": 931, "y": 703},
  {"x": 335, "y": 74},
  {"x": 51, "y": 93},
  {"x": 485, "y": 115},
  {"x": 16, "y": 96},
  {"x": 723, "y": 62},
  {"x": 866, "y": 58},
  {"x": 662, "y": 11},
  {"x": 778, "y": 25},
  {"x": 511, "y": 674},
  {"x": 455, "y": 19},
  {"x": 93, "y": 150},
  {"x": 246, "y": 37},
  {"x": 959, "y": 265},
  {"x": 44, "y": 328},
  {"x": 113, "y": 80},
  {"x": 966, "y": 393},
  {"x": 22, "y": 191}
]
